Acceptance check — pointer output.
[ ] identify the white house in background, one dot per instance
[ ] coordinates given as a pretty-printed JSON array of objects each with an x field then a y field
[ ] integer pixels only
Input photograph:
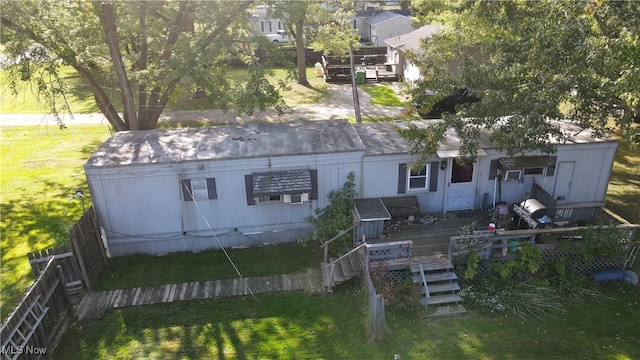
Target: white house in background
[
  {"x": 261, "y": 23},
  {"x": 374, "y": 26},
  {"x": 191, "y": 189},
  {"x": 399, "y": 46}
]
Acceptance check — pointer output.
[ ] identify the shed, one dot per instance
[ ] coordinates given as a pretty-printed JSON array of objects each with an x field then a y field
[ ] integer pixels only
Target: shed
[{"x": 371, "y": 213}]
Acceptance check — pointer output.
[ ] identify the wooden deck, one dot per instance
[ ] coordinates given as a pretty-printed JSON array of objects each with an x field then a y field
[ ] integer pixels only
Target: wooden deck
[
  {"x": 94, "y": 304},
  {"x": 432, "y": 239}
]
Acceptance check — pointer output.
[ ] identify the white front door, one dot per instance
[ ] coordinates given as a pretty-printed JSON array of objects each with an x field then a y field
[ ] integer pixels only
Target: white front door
[{"x": 461, "y": 191}]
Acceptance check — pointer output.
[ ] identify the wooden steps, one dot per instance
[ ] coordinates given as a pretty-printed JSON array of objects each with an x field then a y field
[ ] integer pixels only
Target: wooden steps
[
  {"x": 342, "y": 269},
  {"x": 438, "y": 285}
]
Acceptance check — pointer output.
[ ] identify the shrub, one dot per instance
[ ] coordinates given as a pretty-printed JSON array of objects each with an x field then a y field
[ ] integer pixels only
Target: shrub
[
  {"x": 508, "y": 297},
  {"x": 335, "y": 217}
]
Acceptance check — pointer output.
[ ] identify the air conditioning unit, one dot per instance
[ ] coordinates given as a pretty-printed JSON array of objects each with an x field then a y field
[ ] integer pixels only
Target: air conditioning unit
[
  {"x": 296, "y": 199},
  {"x": 510, "y": 175}
]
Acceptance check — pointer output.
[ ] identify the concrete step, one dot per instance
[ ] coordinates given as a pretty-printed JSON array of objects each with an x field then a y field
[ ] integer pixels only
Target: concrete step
[
  {"x": 446, "y": 310},
  {"x": 441, "y": 299}
]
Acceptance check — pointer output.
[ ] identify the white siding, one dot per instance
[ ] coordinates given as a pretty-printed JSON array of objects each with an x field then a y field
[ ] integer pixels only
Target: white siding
[{"x": 142, "y": 210}]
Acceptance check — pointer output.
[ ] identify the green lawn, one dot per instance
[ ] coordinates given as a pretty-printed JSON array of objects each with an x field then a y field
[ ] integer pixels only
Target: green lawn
[
  {"x": 81, "y": 100},
  {"x": 300, "y": 326},
  {"x": 382, "y": 94},
  {"x": 41, "y": 168}
]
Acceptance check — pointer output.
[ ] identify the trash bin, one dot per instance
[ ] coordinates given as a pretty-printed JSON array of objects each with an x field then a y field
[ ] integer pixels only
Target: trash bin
[
  {"x": 318, "y": 69},
  {"x": 513, "y": 248},
  {"x": 360, "y": 77}
]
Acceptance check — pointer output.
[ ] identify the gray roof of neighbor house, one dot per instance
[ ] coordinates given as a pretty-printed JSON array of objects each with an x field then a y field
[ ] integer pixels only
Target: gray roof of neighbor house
[
  {"x": 369, "y": 13},
  {"x": 227, "y": 142},
  {"x": 281, "y": 139},
  {"x": 384, "y": 16},
  {"x": 411, "y": 41}
]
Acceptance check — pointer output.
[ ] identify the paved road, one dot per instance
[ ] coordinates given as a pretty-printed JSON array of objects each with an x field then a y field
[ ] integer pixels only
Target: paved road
[{"x": 337, "y": 105}]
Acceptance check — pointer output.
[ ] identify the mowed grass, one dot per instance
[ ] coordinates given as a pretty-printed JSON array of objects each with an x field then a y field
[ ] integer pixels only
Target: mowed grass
[
  {"x": 301, "y": 326},
  {"x": 382, "y": 94},
  {"x": 147, "y": 270},
  {"x": 81, "y": 101},
  {"x": 41, "y": 168},
  {"x": 623, "y": 193}
]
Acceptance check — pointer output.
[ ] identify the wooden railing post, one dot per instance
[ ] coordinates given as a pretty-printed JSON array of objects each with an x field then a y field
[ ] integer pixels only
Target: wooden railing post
[{"x": 325, "y": 245}]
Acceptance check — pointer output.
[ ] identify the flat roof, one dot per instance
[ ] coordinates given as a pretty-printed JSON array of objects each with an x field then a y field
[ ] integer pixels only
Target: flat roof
[
  {"x": 383, "y": 138},
  {"x": 227, "y": 142},
  {"x": 281, "y": 139},
  {"x": 371, "y": 209}
]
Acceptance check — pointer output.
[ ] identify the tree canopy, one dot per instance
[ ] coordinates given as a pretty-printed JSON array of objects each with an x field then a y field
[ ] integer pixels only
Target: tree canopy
[
  {"x": 135, "y": 54},
  {"x": 529, "y": 61},
  {"x": 326, "y": 25}
]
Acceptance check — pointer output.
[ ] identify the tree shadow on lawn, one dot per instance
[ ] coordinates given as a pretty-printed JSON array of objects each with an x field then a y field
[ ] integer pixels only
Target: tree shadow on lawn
[
  {"x": 33, "y": 223},
  {"x": 291, "y": 325}
]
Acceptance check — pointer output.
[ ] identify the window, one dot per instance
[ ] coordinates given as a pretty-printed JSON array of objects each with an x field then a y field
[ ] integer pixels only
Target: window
[
  {"x": 199, "y": 189},
  {"x": 268, "y": 199},
  {"x": 418, "y": 179}
]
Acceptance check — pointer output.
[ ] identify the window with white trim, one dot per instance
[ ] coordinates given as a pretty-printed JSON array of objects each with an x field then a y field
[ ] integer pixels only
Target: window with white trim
[
  {"x": 418, "y": 177},
  {"x": 199, "y": 189}
]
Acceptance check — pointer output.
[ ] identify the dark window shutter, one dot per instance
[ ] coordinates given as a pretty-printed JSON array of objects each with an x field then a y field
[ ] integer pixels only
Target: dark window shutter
[
  {"x": 493, "y": 169},
  {"x": 433, "y": 176},
  {"x": 186, "y": 190},
  {"x": 402, "y": 178},
  {"x": 313, "y": 195},
  {"x": 248, "y": 184},
  {"x": 551, "y": 170},
  {"x": 211, "y": 188}
]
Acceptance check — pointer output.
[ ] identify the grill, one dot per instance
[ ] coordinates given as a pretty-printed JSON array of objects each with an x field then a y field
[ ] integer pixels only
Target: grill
[{"x": 531, "y": 213}]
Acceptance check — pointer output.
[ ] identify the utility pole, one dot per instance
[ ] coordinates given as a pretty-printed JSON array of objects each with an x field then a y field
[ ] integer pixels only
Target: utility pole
[{"x": 356, "y": 101}]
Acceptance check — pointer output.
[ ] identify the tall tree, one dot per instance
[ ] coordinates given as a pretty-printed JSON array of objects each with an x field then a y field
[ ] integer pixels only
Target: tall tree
[
  {"x": 324, "y": 24},
  {"x": 138, "y": 51},
  {"x": 531, "y": 61}
]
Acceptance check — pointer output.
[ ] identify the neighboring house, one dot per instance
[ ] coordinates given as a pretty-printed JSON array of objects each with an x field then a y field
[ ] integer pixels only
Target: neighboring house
[
  {"x": 374, "y": 26},
  {"x": 191, "y": 189},
  {"x": 261, "y": 23},
  {"x": 399, "y": 46}
]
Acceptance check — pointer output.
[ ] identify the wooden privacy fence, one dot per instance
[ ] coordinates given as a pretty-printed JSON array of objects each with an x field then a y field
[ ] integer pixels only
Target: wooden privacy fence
[
  {"x": 82, "y": 261},
  {"x": 88, "y": 248},
  {"x": 67, "y": 261},
  {"x": 34, "y": 327},
  {"x": 376, "y": 304}
]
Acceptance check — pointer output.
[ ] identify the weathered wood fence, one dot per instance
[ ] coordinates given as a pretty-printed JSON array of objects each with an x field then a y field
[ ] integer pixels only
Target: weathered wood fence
[
  {"x": 88, "y": 247},
  {"x": 65, "y": 258},
  {"x": 82, "y": 262},
  {"x": 34, "y": 327},
  {"x": 376, "y": 323},
  {"x": 502, "y": 246}
]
